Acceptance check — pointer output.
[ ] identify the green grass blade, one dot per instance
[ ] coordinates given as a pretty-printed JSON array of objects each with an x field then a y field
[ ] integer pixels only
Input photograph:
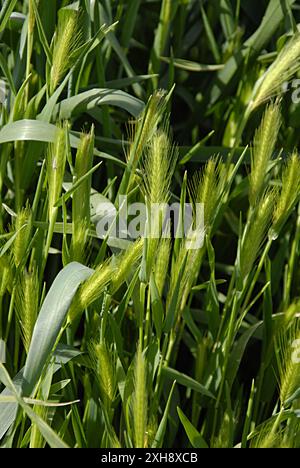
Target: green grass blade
[
  {"x": 5, "y": 12},
  {"x": 50, "y": 320},
  {"x": 194, "y": 436},
  {"x": 88, "y": 100},
  {"x": 186, "y": 381}
]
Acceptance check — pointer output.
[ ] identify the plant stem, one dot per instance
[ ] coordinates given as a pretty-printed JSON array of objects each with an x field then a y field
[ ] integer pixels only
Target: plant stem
[
  {"x": 291, "y": 264},
  {"x": 257, "y": 273}
]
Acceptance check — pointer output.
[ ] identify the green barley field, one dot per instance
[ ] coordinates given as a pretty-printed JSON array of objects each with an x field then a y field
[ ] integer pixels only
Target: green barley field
[{"x": 119, "y": 329}]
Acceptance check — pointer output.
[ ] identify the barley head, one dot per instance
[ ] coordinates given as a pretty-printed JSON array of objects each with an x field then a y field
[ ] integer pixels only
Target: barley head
[
  {"x": 289, "y": 367},
  {"x": 207, "y": 188},
  {"x": 141, "y": 134},
  {"x": 264, "y": 144},
  {"x": 67, "y": 39},
  {"x": 91, "y": 290},
  {"x": 256, "y": 232},
  {"x": 140, "y": 409},
  {"x": 282, "y": 69},
  {"x": 6, "y": 277},
  {"x": 289, "y": 194},
  {"x": 23, "y": 227},
  {"x": 27, "y": 303},
  {"x": 56, "y": 160},
  {"x": 81, "y": 198},
  {"x": 159, "y": 165},
  {"x": 104, "y": 369},
  {"x": 161, "y": 264},
  {"x": 125, "y": 262}
]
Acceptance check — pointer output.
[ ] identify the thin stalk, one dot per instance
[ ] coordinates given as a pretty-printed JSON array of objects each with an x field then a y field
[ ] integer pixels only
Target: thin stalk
[
  {"x": 291, "y": 264},
  {"x": 30, "y": 33},
  {"x": 148, "y": 320},
  {"x": 160, "y": 366},
  {"x": 16, "y": 347},
  {"x": 228, "y": 344},
  {"x": 257, "y": 273},
  {"x": 50, "y": 233},
  {"x": 10, "y": 313},
  {"x": 248, "y": 419},
  {"x": 143, "y": 287},
  {"x": 19, "y": 150}
]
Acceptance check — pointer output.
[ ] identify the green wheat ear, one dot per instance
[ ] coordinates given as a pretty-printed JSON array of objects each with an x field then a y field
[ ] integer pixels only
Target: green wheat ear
[
  {"x": 22, "y": 226},
  {"x": 125, "y": 262},
  {"x": 142, "y": 130},
  {"x": 263, "y": 147},
  {"x": 290, "y": 314},
  {"x": 83, "y": 164},
  {"x": 6, "y": 276},
  {"x": 104, "y": 370},
  {"x": 282, "y": 69},
  {"x": 81, "y": 198},
  {"x": 91, "y": 290},
  {"x": 56, "y": 161},
  {"x": 67, "y": 39},
  {"x": 113, "y": 271},
  {"x": 140, "y": 133},
  {"x": 27, "y": 303},
  {"x": 158, "y": 169},
  {"x": 256, "y": 232},
  {"x": 289, "y": 194},
  {"x": 266, "y": 437},
  {"x": 161, "y": 264},
  {"x": 289, "y": 367},
  {"x": 140, "y": 399},
  {"x": 223, "y": 438},
  {"x": 207, "y": 187}
]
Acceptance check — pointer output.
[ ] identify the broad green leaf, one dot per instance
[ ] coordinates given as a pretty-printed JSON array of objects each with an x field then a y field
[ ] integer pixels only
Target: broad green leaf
[
  {"x": 194, "y": 436},
  {"x": 86, "y": 101},
  {"x": 50, "y": 320},
  {"x": 186, "y": 381},
  {"x": 27, "y": 130},
  {"x": 192, "y": 66},
  {"x": 62, "y": 355},
  {"x": 37, "y": 130},
  {"x": 159, "y": 436},
  {"x": 124, "y": 82},
  {"x": 48, "y": 433},
  {"x": 33, "y": 401}
]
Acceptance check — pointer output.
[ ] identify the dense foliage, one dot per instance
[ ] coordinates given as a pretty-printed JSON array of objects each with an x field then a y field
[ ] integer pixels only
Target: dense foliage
[{"x": 123, "y": 342}]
